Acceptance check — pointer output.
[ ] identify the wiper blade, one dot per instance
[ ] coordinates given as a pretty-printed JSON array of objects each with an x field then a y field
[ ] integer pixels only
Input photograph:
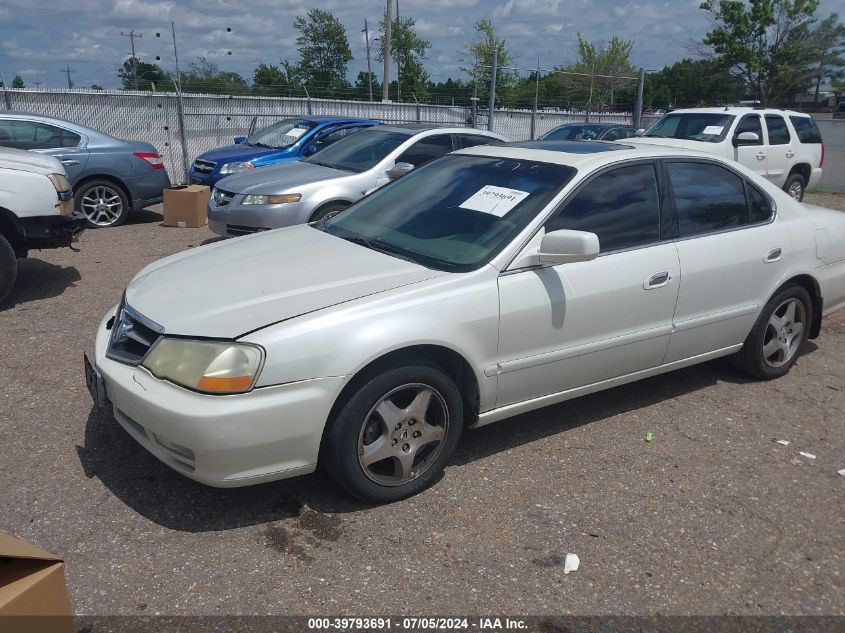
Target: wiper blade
[{"x": 375, "y": 245}]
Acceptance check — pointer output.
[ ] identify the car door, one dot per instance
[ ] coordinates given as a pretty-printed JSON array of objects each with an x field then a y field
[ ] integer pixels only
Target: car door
[
  {"x": 752, "y": 154},
  {"x": 56, "y": 141},
  {"x": 780, "y": 149},
  {"x": 570, "y": 325},
  {"x": 732, "y": 256}
]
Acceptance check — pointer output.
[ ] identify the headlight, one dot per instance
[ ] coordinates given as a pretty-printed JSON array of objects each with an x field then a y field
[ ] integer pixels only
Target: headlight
[
  {"x": 281, "y": 199},
  {"x": 231, "y": 168},
  {"x": 207, "y": 366},
  {"x": 60, "y": 182}
]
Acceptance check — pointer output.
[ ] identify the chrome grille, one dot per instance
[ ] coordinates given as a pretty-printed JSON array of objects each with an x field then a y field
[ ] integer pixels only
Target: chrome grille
[
  {"x": 204, "y": 166},
  {"x": 222, "y": 198},
  {"x": 132, "y": 336}
]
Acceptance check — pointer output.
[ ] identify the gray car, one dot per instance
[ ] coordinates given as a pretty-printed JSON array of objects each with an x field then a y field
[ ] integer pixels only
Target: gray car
[
  {"x": 332, "y": 179},
  {"x": 110, "y": 176}
]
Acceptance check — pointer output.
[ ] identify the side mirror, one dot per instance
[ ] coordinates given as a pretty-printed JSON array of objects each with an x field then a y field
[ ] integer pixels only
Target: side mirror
[
  {"x": 640, "y": 132},
  {"x": 565, "y": 246},
  {"x": 239, "y": 140},
  {"x": 399, "y": 170},
  {"x": 309, "y": 150},
  {"x": 746, "y": 138}
]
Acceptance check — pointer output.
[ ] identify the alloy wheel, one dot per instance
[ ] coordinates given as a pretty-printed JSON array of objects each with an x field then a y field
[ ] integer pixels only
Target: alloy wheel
[
  {"x": 102, "y": 205},
  {"x": 796, "y": 190},
  {"x": 403, "y": 434},
  {"x": 784, "y": 333}
]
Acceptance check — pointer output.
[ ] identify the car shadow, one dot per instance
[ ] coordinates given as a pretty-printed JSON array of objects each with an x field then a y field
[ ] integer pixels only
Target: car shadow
[
  {"x": 38, "y": 279},
  {"x": 212, "y": 240},
  {"x": 169, "y": 499},
  {"x": 144, "y": 216}
]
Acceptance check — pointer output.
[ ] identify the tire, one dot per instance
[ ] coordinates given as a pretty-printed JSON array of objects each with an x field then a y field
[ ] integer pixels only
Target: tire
[
  {"x": 412, "y": 416},
  {"x": 773, "y": 344},
  {"x": 103, "y": 203},
  {"x": 795, "y": 186},
  {"x": 328, "y": 211},
  {"x": 8, "y": 268}
]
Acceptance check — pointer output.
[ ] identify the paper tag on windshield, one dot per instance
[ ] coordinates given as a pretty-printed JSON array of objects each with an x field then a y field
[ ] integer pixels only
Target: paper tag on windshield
[
  {"x": 296, "y": 132},
  {"x": 715, "y": 130},
  {"x": 494, "y": 200}
]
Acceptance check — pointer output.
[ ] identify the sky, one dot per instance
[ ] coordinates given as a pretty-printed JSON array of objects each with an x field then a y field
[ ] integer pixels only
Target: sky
[{"x": 39, "y": 38}]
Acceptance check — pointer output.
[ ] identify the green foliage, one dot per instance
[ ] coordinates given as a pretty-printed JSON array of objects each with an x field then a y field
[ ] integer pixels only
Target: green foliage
[
  {"x": 270, "y": 80},
  {"x": 829, "y": 40},
  {"x": 769, "y": 43},
  {"x": 407, "y": 50},
  {"x": 478, "y": 58},
  {"x": 150, "y": 76},
  {"x": 691, "y": 83},
  {"x": 204, "y": 76},
  {"x": 362, "y": 91},
  {"x": 324, "y": 53},
  {"x": 96, "y": 87},
  {"x": 17, "y": 82}
]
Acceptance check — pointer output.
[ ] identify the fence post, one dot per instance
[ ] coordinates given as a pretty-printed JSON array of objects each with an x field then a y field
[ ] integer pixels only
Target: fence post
[
  {"x": 414, "y": 95},
  {"x": 638, "y": 108},
  {"x": 308, "y": 98},
  {"x": 492, "y": 101},
  {"x": 183, "y": 139},
  {"x": 5, "y": 92},
  {"x": 474, "y": 110}
]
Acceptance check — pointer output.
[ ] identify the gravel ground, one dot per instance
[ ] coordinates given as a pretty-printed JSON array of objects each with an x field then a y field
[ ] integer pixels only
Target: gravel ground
[{"x": 711, "y": 517}]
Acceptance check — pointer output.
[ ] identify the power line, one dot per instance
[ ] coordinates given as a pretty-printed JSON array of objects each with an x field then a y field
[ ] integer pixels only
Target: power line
[{"x": 131, "y": 35}]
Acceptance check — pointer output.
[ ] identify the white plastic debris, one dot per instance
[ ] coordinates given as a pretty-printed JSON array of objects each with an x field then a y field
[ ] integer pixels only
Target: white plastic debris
[
  {"x": 807, "y": 455},
  {"x": 571, "y": 563},
  {"x": 783, "y": 442},
  {"x": 841, "y": 472}
]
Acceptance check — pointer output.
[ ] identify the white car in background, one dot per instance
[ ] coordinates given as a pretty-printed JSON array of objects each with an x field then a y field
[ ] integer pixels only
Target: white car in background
[
  {"x": 491, "y": 282},
  {"x": 781, "y": 145}
]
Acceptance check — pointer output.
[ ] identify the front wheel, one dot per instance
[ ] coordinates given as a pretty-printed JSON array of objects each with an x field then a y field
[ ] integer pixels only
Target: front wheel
[
  {"x": 8, "y": 268},
  {"x": 102, "y": 203},
  {"x": 781, "y": 329},
  {"x": 328, "y": 211},
  {"x": 795, "y": 186},
  {"x": 394, "y": 435}
]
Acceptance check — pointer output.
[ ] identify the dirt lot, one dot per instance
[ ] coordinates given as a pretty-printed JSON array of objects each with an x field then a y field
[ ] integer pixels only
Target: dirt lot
[{"x": 711, "y": 517}]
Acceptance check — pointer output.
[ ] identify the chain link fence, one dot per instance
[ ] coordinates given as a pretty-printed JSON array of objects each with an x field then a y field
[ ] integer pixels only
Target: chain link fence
[{"x": 213, "y": 120}]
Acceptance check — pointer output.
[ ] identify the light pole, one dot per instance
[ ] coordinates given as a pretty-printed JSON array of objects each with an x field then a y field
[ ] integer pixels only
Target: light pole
[
  {"x": 387, "y": 35},
  {"x": 366, "y": 32}
]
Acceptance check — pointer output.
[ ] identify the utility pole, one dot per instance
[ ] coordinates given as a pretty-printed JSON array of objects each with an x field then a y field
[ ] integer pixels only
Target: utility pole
[
  {"x": 180, "y": 104},
  {"x": 387, "y": 35},
  {"x": 37, "y": 84},
  {"x": 398, "y": 57},
  {"x": 369, "y": 67},
  {"x": 131, "y": 35},
  {"x": 68, "y": 72},
  {"x": 492, "y": 101},
  {"x": 536, "y": 96},
  {"x": 638, "y": 108}
]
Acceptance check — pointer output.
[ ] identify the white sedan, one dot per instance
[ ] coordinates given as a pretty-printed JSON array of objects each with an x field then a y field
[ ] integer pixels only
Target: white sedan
[{"x": 491, "y": 282}]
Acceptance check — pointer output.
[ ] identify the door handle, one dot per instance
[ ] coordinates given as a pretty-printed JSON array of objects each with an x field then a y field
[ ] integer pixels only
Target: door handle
[
  {"x": 774, "y": 255},
  {"x": 761, "y": 155},
  {"x": 657, "y": 280},
  {"x": 790, "y": 153},
  {"x": 69, "y": 161}
]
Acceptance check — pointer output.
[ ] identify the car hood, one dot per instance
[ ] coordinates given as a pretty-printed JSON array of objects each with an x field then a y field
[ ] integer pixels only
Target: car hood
[
  {"x": 230, "y": 288},
  {"x": 275, "y": 179},
  {"x": 29, "y": 161},
  {"x": 238, "y": 152},
  {"x": 702, "y": 146}
]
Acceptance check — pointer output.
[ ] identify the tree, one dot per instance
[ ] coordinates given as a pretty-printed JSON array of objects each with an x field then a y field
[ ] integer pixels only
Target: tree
[
  {"x": 270, "y": 80},
  {"x": 362, "y": 91},
  {"x": 829, "y": 41},
  {"x": 769, "y": 43},
  {"x": 690, "y": 82},
  {"x": 96, "y": 87},
  {"x": 408, "y": 50},
  {"x": 205, "y": 76},
  {"x": 150, "y": 76},
  {"x": 478, "y": 58},
  {"x": 324, "y": 52},
  {"x": 17, "y": 82}
]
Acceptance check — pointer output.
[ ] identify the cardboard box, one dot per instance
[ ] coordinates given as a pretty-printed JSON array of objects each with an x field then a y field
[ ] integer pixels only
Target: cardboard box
[
  {"x": 186, "y": 206},
  {"x": 33, "y": 594}
]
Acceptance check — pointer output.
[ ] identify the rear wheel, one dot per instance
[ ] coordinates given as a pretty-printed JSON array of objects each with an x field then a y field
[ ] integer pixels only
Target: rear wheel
[
  {"x": 8, "y": 268},
  {"x": 781, "y": 329},
  {"x": 394, "y": 435},
  {"x": 328, "y": 211},
  {"x": 103, "y": 203},
  {"x": 795, "y": 186}
]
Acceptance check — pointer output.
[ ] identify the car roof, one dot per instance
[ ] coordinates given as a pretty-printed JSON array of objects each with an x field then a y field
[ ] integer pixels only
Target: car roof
[
  {"x": 591, "y": 124},
  {"x": 582, "y": 154},
  {"x": 737, "y": 110},
  {"x": 41, "y": 118},
  {"x": 419, "y": 128},
  {"x": 326, "y": 118}
]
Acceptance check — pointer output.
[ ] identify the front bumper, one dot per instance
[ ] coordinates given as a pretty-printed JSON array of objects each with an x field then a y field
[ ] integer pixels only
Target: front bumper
[
  {"x": 234, "y": 219},
  {"x": 52, "y": 231},
  {"x": 223, "y": 441}
]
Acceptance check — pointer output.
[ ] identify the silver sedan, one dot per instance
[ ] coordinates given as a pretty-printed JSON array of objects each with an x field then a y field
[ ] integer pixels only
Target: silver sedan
[{"x": 328, "y": 182}]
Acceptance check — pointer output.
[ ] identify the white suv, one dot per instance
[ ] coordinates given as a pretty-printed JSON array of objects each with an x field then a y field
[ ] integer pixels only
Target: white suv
[{"x": 782, "y": 145}]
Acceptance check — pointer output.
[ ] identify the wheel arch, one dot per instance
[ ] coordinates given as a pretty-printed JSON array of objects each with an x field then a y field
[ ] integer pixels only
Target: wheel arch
[
  {"x": 802, "y": 169},
  {"x": 327, "y": 203},
  {"x": 809, "y": 283},
  {"x": 107, "y": 177},
  {"x": 11, "y": 230}
]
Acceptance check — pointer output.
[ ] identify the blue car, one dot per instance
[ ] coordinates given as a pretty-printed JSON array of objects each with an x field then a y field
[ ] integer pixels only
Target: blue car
[{"x": 287, "y": 140}]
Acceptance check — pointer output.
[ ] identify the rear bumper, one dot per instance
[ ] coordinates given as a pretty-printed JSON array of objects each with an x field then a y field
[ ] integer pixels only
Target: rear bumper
[
  {"x": 52, "y": 231},
  {"x": 815, "y": 177},
  {"x": 148, "y": 189}
]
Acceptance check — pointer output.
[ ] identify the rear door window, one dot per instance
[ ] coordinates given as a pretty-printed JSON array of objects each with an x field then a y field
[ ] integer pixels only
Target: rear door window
[
  {"x": 427, "y": 149},
  {"x": 708, "y": 197},
  {"x": 471, "y": 140},
  {"x": 778, "y": 132},
  {"x": 806, "y": 129}
]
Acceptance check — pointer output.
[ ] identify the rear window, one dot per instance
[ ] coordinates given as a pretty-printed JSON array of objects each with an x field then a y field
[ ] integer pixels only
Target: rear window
[{"x": 806, "y": 128}]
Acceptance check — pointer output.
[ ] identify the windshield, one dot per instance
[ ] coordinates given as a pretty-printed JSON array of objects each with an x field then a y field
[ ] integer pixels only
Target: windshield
[
  {"x": 453, "y": 214},
  {"x": 574, "y": 133},
  {"x": 280, "y": 135},
  {"x": 692, "y": 126},
  {"x": 359, "y": 152}
]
